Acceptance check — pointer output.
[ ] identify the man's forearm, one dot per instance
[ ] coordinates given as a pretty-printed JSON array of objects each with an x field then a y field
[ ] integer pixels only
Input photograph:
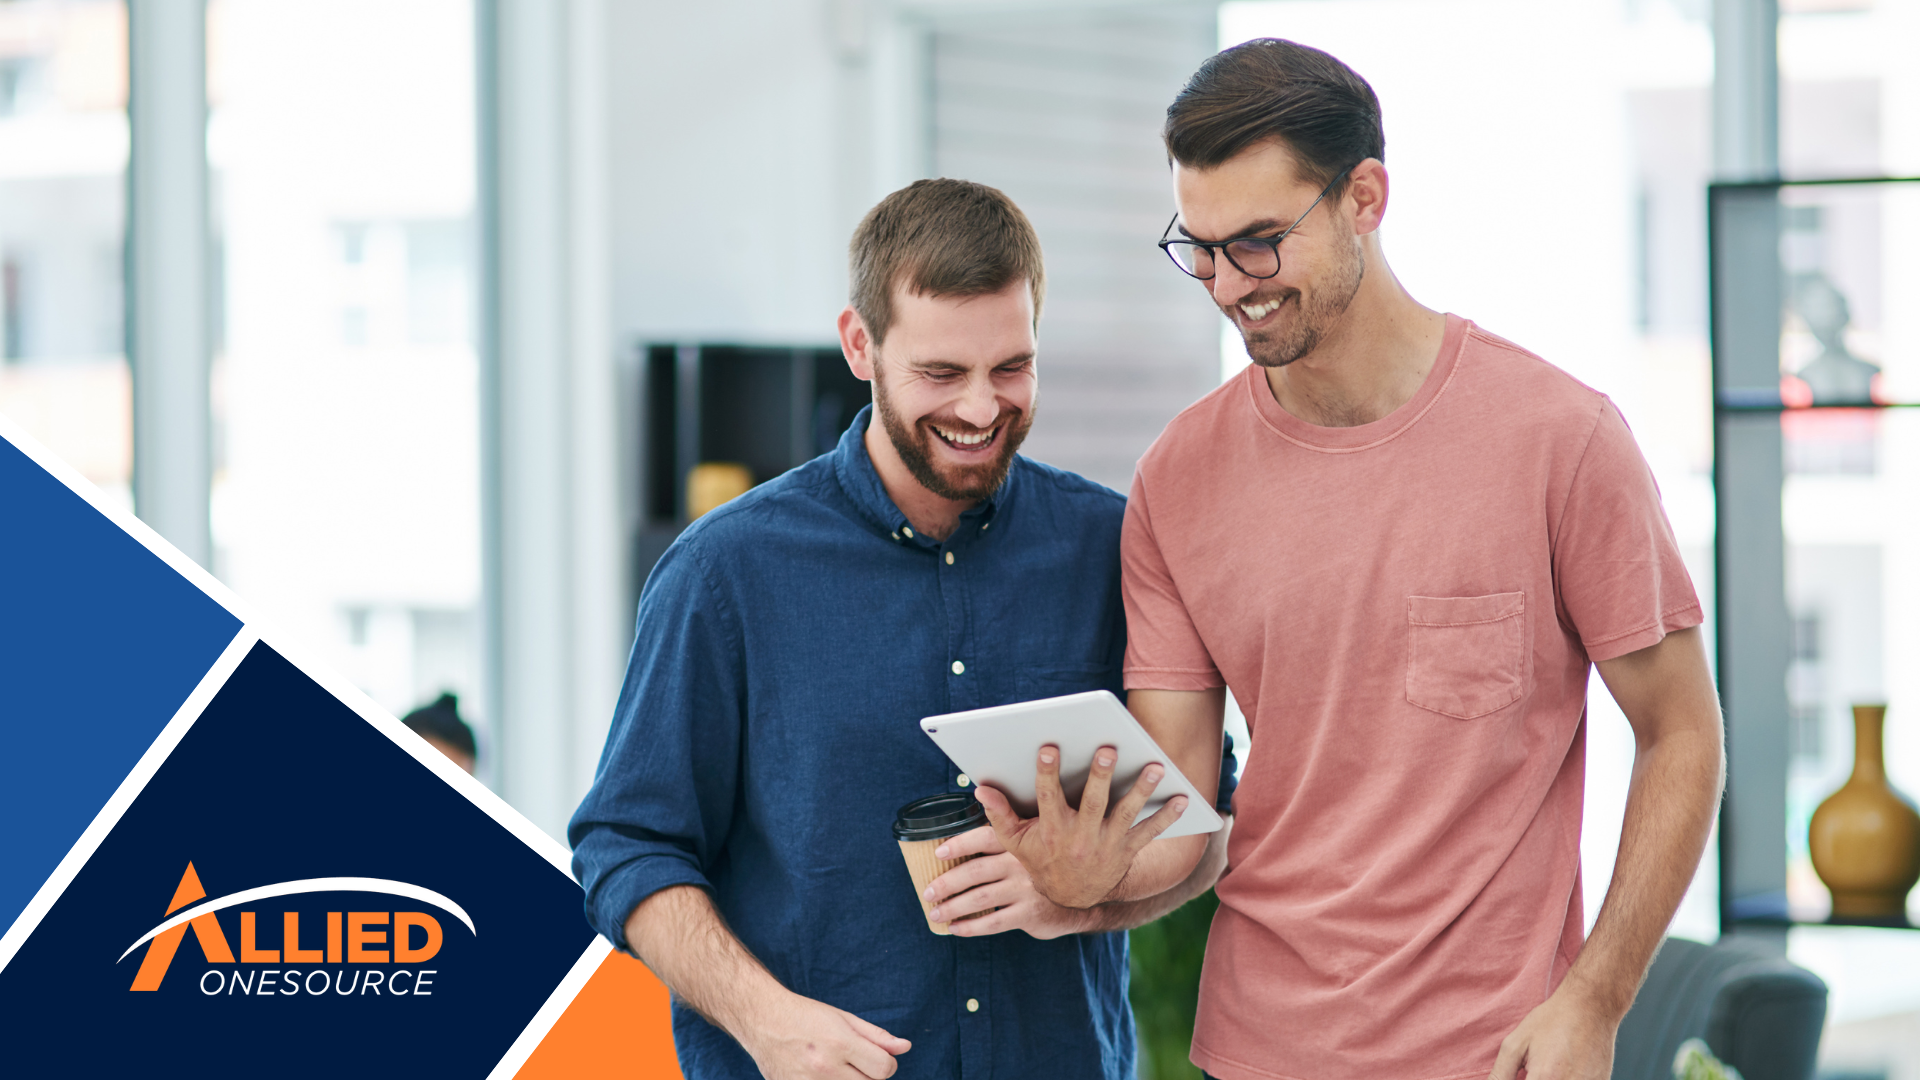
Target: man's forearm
[
  {"x": 1667, "y": 694},
  {"x": 679, "y": 934},
  {"x": 1127, "y": 914},
  {"x": 1160, "y": 866},
  {"x": 1670, "y": 807},
  {"x": 1188, "y": 726}
]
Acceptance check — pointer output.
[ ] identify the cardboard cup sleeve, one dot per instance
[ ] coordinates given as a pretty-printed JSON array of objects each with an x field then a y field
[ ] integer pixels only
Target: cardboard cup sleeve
[
  {"x": 920, "y": 827},
  {"x": 924, "y": 868}
]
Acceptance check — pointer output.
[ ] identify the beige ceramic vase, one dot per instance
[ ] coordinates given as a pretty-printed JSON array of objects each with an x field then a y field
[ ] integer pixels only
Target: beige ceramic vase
[{"x": 1865, "y": 838}]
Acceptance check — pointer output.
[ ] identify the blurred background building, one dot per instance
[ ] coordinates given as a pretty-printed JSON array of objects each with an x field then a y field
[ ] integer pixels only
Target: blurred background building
[{"x": 481, "y": 279}]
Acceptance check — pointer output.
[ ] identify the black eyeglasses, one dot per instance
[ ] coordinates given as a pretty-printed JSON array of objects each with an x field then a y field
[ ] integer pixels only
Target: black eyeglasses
[{"x": 1254, "y": 256}]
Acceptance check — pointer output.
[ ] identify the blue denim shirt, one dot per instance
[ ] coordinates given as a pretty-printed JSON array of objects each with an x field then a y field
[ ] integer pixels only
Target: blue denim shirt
[{"x": 788, "y": 644}]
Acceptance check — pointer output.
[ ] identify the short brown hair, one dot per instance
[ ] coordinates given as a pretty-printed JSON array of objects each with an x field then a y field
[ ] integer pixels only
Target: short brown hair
[
  {"x": 1273, "y": 89},
  {"x": 941, "y": 238}
]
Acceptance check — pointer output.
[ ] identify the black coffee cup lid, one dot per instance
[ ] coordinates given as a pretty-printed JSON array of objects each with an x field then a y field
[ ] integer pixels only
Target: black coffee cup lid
[{"x": 937, "y": 817}]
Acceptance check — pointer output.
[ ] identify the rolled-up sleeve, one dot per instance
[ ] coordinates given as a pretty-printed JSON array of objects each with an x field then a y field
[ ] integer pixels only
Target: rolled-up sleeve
[{"x": 662, "y": 800}]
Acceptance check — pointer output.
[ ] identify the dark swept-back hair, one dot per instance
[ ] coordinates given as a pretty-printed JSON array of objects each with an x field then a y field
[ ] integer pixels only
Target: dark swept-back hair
[
  {"x": 941, "y": 238},
  {"x": 441, "y": 720},
  {"x": 1274, "y": 89}
]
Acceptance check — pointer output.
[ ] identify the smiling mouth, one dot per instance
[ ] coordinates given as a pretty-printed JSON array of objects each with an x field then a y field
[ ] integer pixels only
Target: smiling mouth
[
  {"x": 1256, "y": 312},
  {"x": 971, "y": 442}
]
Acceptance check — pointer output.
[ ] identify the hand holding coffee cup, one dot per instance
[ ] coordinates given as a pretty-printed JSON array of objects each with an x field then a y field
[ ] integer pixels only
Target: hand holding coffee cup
[{"x": 920, "y": 827}]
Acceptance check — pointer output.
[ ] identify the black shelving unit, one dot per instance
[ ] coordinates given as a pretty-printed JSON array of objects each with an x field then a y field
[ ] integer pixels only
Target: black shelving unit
[
  {"x": 769, "y": 408},
  {"x": 1752, "y": 288}
]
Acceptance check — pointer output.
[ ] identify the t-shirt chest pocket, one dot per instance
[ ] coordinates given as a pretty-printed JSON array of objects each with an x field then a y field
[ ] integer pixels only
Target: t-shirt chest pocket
[{"x": 1466, "y": 655}]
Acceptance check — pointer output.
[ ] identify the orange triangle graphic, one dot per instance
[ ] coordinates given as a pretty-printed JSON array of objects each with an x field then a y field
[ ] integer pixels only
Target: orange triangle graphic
[
  {"x": 206, "y": 929},
  {"x": 617, "y": 1026},
  {"x": 190, "y": 890}
]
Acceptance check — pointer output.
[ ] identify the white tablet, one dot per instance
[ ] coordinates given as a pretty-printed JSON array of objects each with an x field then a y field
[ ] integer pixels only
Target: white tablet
[{"x": 999, "y": 746}]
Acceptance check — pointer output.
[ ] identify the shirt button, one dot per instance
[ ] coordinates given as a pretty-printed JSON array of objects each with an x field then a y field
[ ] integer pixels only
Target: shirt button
[
  {"x": 949, "y": 558},
  {"x": 896, "y": 536},
  {"x": 908, "y": 531},
  {"x": 973, "y": 1004},
  {"x": 959, "y": 668},
  {"x": 962, "y": 780}
]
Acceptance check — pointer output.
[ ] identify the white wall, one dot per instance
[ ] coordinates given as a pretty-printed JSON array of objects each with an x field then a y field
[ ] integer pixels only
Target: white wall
[{"x": 737, "y": 172}]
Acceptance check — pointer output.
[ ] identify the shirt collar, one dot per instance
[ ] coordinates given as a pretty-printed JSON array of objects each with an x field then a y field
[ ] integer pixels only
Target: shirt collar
[{"x": 858, "y": 478}]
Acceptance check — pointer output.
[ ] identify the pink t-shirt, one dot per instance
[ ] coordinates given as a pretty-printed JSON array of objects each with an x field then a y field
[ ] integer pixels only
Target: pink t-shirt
[{"x": 1406, "y": 611}]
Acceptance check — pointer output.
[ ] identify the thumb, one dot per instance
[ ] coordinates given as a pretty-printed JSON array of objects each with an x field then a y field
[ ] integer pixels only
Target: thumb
[
  {"x": 1000, "y": 812},
  {"x": 1513, "y": 1054},
  {"x": 878, "y": 1035}
]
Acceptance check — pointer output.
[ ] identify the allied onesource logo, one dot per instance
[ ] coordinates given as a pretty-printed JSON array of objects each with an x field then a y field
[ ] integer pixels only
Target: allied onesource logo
[{"x": 356, "y": 954}]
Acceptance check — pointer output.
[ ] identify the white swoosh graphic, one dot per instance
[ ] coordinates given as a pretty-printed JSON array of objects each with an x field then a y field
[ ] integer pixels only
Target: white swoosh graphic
[{"x": 308, "y": 885}]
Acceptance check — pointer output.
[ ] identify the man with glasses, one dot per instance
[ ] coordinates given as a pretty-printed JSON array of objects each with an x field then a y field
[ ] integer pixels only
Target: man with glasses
[{"x": 1402, "y": 542}]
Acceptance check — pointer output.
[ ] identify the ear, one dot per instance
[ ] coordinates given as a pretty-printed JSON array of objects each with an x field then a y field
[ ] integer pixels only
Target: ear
[
  {"x": 1367, "y": 194},
  {"x": 856, "y": 344}
]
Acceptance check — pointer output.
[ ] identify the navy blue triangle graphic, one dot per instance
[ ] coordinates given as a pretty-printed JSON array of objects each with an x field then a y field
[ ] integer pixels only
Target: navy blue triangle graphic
[
  {"x": 279, "y": 781},
  {"x": 100, "y": 643}
]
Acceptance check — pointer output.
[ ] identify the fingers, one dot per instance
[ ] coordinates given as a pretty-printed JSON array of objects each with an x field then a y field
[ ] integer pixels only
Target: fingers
[
  {"x": 1137, "y": 795},
  {"x": 980, "y": 841},
  {"x": 874, "y": 1050},
  {"x": 871, "y": 1060},
  {"x": 994, "y": 922},
  {"x": 1093, "y": 801},
  {"x": 1149, "y": 830},
  {"x": 877, "y": 1035},
  {"x": 997, "y": 893},
  {"x": 1046, "y": 782},
  {"x": 967, "y": 875},
  {"x": 986, "y": 898},
  {"x": 1507, "y": 1065}
]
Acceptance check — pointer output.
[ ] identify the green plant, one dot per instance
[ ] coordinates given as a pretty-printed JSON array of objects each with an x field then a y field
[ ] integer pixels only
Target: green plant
[
  {"x": 1165, "y": 987},
  {"x": 1696, "y": 1062}
]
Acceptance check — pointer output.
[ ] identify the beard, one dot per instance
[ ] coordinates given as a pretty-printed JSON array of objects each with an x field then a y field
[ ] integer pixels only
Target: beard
[
  {"x": 914, "y": 443},
  {"x": 1281, "y": 345}
]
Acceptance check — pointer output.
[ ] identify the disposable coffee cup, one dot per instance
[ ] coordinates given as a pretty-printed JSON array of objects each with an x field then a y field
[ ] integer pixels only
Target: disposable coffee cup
[{"x": 920, "y": 827}]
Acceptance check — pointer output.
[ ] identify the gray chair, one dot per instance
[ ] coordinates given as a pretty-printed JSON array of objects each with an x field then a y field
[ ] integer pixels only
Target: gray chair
[{"x": 1756, "y": 1011}]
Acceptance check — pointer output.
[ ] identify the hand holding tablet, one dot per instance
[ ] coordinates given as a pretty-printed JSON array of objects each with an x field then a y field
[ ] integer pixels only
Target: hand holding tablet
[{"x": 1026, "y": 760}]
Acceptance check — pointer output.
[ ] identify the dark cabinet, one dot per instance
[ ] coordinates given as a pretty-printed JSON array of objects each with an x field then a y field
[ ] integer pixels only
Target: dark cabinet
[{"x": 768, "y": 408}]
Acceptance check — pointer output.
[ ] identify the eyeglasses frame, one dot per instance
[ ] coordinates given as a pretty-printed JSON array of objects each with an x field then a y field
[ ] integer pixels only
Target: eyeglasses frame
[{"x": 1219, "y": 248}]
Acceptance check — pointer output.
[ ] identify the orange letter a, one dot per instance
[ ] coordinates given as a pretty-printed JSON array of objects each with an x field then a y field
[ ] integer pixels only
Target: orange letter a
[{"x": 206, "y": 928}]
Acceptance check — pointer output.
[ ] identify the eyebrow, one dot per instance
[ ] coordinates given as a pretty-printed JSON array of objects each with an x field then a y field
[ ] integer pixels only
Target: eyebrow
[
  {"x": 952, "y": 365},
  {"x": 1252, "y": 229}
]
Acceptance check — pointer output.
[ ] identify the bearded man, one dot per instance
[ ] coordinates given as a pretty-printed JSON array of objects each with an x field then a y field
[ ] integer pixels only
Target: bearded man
[{"x": 737, "y": 838}]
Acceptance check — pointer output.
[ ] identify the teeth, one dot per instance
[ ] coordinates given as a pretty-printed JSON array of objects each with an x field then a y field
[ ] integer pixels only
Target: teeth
[
  {"x": 958, "y": 439},
  {"x": 1256, "y": 312}
]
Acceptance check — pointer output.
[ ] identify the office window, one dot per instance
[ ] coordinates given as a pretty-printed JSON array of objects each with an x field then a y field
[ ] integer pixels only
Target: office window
[
  {"x": 346, "y": 499},
  {"x": 63, "y": 161}
]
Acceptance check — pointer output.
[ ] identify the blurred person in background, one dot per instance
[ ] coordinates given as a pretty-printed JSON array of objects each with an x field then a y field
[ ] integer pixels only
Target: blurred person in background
[
  {"x": 439, "y": 723},
  {"x": 1403, "y": 542},
  {"x": 737, "y": 838}
]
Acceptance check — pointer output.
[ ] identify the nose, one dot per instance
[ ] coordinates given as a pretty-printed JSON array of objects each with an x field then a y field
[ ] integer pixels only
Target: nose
[
  {"x": 1229, "y": 285},
  {"x": 979, "y": 405}
]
